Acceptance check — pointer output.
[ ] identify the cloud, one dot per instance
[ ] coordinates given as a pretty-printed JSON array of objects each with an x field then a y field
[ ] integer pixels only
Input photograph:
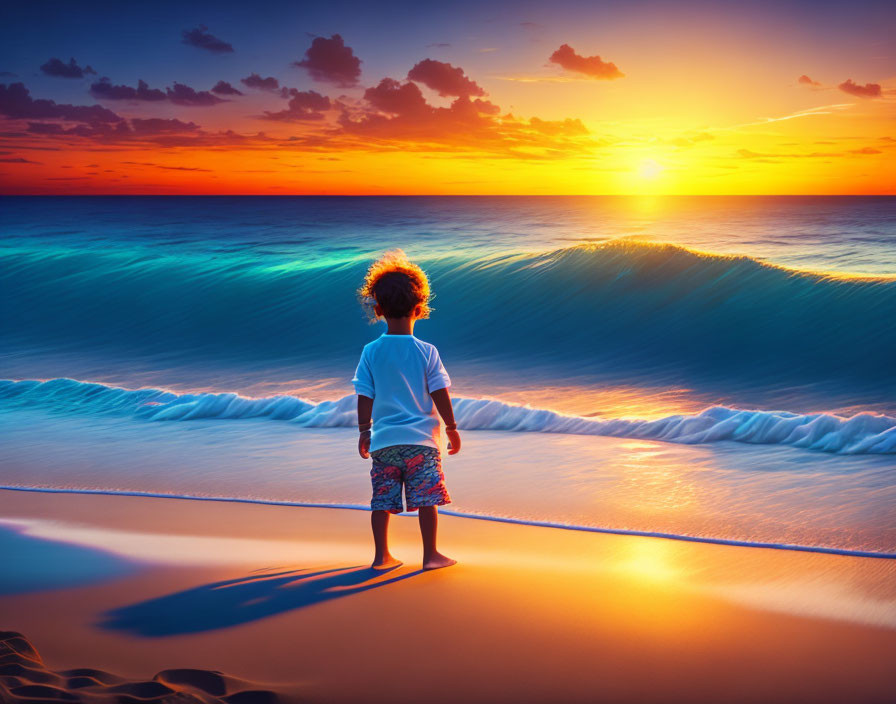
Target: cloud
[
  {"x": 161, "y": 125},
  {"x": 592, "y": 66},
  {"x": 303, "y": 105},
  {"x": 163, "y": 166},
  {"x": 540, "y": 79},
  {"x": 180, "y": 94},
  {"x": 805, "y": 80},
  {"x": 184, "y": 95},
  {"x": 392, "y": 97},
  {"x": 201, "y": 39},
  {"x": 395, "y": 116},
  {"x": 138, "y": 127},
  {"x": 255, "y": 81},
  {"x": 55, "y": 67},
  {"x": 809, "y": 112},
  {"x": 224, "y": 88},
  {"x": 392, "y": 115},
  {"x": 445, "y": 79},
  {"x": 331, "y": 61},
  {"x": 16, "y": 102},
  {"x": 104, "y": 89},
  {"x": 748, "y": 154},
  {"x": 17, "y": 160},
  {"x": 869, "y": 90},
  {"x": 567, "y": 127}
]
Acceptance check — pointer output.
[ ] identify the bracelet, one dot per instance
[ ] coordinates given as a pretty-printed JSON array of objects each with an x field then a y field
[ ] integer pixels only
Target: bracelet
[
  {"x": 365, "y": 426},
  {"x": 450, "y": 426},
  {"x": 364, "y": 432}
]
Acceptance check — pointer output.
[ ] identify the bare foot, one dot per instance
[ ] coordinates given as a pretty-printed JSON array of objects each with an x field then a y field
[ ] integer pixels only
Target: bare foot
[
  {"x": 437, "y": 561},
  {"x": 387, "y": 563}
]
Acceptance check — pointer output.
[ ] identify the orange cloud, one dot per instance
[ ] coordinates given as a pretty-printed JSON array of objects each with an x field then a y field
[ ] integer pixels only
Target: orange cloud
[
  {"x": 869, "y": 90},
  {"x": 805, "y": 80},
  {"x": 592, "y": 66},
  {"x": 748, "y": 154},
  {"x": 397, "y": 116}
]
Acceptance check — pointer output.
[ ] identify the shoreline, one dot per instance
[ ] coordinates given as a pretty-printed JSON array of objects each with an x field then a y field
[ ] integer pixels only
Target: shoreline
[
  {"x": 820, "y": 549},
  {"x": 275, "y": 594}
]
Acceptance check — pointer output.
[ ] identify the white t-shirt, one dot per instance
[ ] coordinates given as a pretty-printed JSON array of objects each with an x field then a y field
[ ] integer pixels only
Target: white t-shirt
[{"x": 398, "y": 372}]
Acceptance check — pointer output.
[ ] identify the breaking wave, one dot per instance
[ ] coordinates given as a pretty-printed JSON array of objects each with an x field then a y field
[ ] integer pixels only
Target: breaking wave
[{"x": 864, "y": 433}]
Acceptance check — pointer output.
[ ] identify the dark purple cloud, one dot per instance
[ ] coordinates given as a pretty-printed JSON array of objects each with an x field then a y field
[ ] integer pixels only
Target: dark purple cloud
[
  {"x": 396, "y": 98},
  {"x": 331, "y": 61},
  {"x": 224, "y": 88},
  {"x": 16, "y": 102},
  {"x": 55, "y": 67},
  {"x": 303, "y": 105},
  {"x": 869, "y": 90},
  {"x": 94, "y": 130},
  {"x": 45, "y": 128},
  {"x": 182, "y": 94},
  {"x": 160, "y": 125},
  {"x": 201, "y": 39},
  {"x": 255, "y": 81},
  {"x": 137, "y": 128},
  {"x": 592, "y": 66},
  {"x": 104, "y": 89},
  {"x": 444, "y": 78}
]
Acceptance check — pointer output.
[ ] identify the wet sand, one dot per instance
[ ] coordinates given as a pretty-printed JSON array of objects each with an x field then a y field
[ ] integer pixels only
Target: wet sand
[{"x": 280, "y": 600}]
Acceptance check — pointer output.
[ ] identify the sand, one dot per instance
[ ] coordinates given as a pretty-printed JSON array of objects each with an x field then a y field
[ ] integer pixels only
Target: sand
[{"x": 250, "y": 603}]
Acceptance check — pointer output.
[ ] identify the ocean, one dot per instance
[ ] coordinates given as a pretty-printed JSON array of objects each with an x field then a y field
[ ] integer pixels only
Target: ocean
[{"x": 718, "y": 368}]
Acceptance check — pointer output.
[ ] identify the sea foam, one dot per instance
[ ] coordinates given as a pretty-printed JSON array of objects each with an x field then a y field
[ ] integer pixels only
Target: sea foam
[{"x": 864, "y": 433}]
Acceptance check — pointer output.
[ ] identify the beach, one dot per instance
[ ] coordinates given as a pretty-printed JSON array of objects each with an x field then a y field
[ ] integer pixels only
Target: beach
[
  {"x": 280, "y": 599},
  {"x": 676, "y": 482}
]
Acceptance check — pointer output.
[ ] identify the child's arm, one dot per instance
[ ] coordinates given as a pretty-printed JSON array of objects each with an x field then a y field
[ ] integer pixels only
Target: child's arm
[
  {"x": 442, "y": 400},
  {"x": 365, "y": 409}
]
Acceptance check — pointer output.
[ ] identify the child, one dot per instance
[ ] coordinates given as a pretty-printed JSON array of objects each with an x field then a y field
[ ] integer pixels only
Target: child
[{"x": 398, "y": 380}]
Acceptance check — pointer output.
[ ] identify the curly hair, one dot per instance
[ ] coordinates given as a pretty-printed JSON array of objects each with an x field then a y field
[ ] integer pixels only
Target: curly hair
[{"x": 397, "y": 284}]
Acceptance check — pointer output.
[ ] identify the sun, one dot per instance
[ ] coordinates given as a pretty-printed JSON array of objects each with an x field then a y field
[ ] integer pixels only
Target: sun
[{"x": 649, "y": 169}]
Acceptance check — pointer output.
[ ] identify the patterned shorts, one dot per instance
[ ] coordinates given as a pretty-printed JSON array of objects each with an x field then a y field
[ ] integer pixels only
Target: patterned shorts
[{"x": 418, "y": 467}]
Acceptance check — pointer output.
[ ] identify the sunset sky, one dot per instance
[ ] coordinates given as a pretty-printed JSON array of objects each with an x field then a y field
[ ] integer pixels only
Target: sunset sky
[{"x": 448, "y": 98}]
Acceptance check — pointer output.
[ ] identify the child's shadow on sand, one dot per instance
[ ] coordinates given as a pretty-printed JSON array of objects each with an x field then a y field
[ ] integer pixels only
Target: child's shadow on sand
[{"x": 236, "y": 601}]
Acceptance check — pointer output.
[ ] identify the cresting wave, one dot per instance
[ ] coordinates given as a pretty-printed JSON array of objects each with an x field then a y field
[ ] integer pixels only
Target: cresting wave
[
  {"x": 863, "y": 433},
  {"x": 623, "y": 305},
  {"x": 481, "y": 517}
]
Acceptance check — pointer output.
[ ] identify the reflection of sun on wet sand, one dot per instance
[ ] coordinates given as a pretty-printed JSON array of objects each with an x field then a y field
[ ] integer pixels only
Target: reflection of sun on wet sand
[{"x": 279, "y": 599}]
